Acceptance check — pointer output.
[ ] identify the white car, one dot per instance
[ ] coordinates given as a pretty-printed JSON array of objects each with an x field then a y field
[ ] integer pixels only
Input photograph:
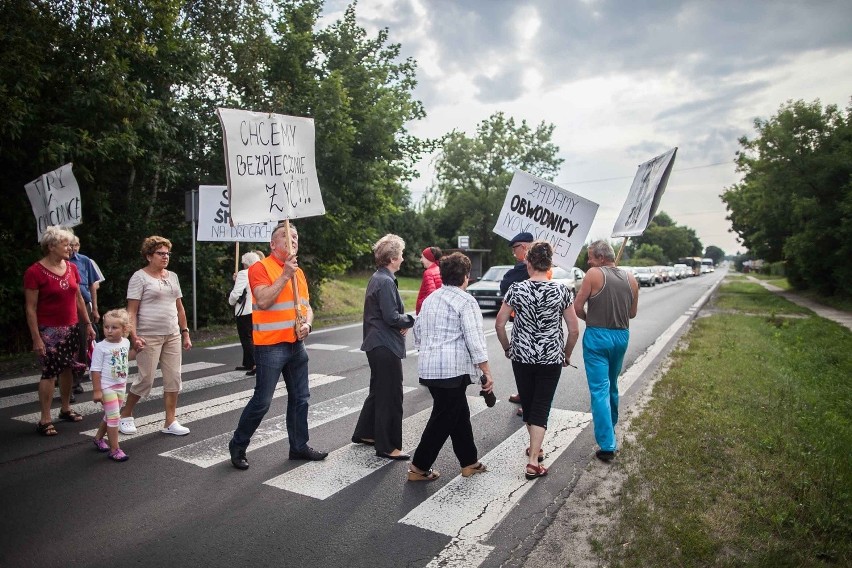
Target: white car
[{"x": 571, "y": 278}]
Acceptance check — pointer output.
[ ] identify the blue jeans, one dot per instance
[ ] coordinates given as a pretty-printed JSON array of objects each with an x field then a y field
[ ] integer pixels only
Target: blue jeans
[
  {"x": 603, "y": 355},
  {"x": 272, "y": 361}
]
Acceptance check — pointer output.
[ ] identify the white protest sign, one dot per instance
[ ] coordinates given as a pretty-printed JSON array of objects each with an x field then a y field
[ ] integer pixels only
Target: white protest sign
[
  {"x": 549, "y": 213},
  {"x": 55, "y": 199},
  {"x": 645, "y": 194},
  {"x": 270, "y": 165},
  {"x": 214, "y": 216}
]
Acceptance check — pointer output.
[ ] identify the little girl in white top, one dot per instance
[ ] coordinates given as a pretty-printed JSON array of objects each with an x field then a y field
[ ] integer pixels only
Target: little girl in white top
[{"x": 109, "y": 371}]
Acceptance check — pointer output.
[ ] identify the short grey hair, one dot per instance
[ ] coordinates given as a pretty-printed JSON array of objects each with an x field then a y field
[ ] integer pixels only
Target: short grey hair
[
  {"x": 602, "y": 249},
  {"x": 250, "y": 258},
  {"x": 388, "y": 248},
  {"x": 54, "y": 234}
]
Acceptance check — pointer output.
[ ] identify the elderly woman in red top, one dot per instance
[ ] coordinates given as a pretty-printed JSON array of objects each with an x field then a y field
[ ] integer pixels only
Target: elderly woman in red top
[
  {"x": 431, "y": 276},
  {"x": 53, "y": 304}
]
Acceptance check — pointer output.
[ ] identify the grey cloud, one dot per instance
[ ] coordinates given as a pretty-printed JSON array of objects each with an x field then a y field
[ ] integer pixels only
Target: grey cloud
[{"x": 504, "y": 87}]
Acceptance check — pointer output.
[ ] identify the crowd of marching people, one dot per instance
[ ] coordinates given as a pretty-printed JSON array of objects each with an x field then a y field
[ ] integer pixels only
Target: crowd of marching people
[{"x": 273, "y": 316}]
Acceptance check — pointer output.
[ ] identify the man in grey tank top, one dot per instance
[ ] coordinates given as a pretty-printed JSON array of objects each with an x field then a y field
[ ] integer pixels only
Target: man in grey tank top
[{"x": 608, "y": 299}]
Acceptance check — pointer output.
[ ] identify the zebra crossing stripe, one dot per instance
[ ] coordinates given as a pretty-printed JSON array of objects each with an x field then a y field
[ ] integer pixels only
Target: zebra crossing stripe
[
  {"x": 468, "y": 509},
  {"x": 325, "y": 347},
  {"x": 351, "y": 463},
  {"x": 32, "y": 380},
  {"x": 212, "y": 451},
  {"x": 32, "y": 397},
  {"x": 190, "y": 413}
]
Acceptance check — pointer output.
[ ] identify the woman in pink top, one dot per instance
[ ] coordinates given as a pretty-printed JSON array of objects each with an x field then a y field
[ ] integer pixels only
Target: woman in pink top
[
  {"x": 431, "y": 276},
  {"x": 53, "y": 304}
]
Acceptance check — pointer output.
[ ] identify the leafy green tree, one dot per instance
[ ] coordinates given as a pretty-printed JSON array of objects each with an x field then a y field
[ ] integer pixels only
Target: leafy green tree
[
  {"x": 715, "y": 253},
  {"x": 473, "y": 175},
  {"x": 649, "y": 255},
  {"x": 794, "y": 202}
]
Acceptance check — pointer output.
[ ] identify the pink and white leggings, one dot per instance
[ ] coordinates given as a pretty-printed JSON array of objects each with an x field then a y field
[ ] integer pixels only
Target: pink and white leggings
[{"x": 113, "y": 398}]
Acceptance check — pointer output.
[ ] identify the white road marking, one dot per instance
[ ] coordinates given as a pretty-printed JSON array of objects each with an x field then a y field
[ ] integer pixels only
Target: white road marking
[
  {"x": 325, "y": 346},
  {"x": 226, "y": 346},
  {"x": 468, "y": 509},
  {"x": 356, "y": 350},
  {"x": 32, "y": 397},
  {"x": 351, "y": 463},
  {"x": 212, "y": 451},
  {"x": 34, "y": 379},
  {"x": 200, "y": 410}
]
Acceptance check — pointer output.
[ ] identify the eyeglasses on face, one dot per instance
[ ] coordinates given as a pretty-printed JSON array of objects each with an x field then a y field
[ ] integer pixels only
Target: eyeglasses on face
[{"x": 162, "y": 253}]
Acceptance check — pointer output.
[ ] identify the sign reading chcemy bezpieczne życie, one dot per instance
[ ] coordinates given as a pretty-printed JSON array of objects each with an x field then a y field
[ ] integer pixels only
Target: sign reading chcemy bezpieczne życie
[
  {"x": 214, "y": 212},
  {"x": 271, "y": 166},
  {"x": 645, "y": 194},
  {"x": 549, "y": 213},
  {"x": 55, "y": 199}
]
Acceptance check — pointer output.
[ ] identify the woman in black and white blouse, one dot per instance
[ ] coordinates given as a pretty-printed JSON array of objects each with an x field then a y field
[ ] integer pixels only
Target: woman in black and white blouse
[{"x": 538, "y": 349}]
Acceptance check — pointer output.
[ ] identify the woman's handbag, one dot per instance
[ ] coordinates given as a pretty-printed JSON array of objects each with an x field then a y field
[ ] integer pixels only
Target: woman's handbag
[{"x": 241, "y": 302}]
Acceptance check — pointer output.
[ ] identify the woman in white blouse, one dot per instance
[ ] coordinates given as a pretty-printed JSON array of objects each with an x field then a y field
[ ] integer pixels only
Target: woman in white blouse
[
  {"x": 157, "y": 332},
  {"x": 241, "y": 299}
]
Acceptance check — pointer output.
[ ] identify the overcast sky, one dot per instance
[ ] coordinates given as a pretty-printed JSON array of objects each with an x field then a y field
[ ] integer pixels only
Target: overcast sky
[{"x": 622, "y": 81}]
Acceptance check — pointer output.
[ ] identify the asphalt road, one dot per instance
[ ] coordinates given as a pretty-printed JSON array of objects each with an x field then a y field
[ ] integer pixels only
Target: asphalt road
[{"x": 179, "y": 502}]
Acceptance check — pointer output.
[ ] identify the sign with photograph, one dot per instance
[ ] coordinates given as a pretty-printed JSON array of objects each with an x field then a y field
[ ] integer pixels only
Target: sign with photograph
[{"x": 645, "y": 194}]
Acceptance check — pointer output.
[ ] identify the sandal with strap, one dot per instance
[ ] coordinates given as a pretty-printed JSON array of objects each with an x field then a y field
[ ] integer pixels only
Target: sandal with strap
[
  {"x": 118, "y": 455},
  {"x": 430, "y": 475},
  {"x": 478, "y": 467},
  {"x": 70, "y": 416},
  {"x": 46, "y": 429},
  {"x": 540, "y": 455},
  {"x": 535, "y": 471}
]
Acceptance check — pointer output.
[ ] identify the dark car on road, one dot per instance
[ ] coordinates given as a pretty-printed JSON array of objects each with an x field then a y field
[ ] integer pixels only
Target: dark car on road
[{"x": 486, "y": 290}]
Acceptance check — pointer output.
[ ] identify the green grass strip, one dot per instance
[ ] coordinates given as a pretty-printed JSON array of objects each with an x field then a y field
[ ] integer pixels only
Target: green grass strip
[{"x": 742, "y": 458}]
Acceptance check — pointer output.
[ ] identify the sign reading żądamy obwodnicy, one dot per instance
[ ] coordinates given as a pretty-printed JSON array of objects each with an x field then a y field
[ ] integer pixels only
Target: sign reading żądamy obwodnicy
[
  {"x": 644, "y": 196},
  {"x": 270, "y": 166},
  {"x": 549, "y": 213},
  {"x": 55, "y": 199},
  {"x": 214, "y": 216}
]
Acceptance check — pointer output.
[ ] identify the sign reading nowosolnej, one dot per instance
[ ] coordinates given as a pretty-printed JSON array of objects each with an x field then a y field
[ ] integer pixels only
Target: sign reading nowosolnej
[
  {"x": 645, "y": 194},
  {"x": 214, "y": 213},
  {"x": 270, "y": 165},
  {"x": 55, "y": 199},
  {"x": 549, "y": 213}
]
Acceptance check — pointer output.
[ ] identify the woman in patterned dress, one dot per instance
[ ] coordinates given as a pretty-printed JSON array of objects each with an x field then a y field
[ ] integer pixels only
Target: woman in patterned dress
[
  {"x": 53, "y": 306},
  {"x": 538, "y": 348}
]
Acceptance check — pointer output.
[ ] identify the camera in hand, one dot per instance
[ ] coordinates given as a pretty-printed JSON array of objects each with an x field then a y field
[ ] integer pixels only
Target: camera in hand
[{"x": 490, "y": 398}]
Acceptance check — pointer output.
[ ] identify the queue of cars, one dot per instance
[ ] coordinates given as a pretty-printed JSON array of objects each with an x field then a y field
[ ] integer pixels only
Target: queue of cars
[{"x": 486, "y": 290}]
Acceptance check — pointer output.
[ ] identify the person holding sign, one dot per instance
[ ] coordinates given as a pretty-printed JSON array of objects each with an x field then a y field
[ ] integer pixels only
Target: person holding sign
[
  {"x": 612, "y": 295},
  {"x": 53, "y": 305},
  {"x": 282, "y": 319},
  {"x": 385, "y": 326},
  {"x": 242, "y": 300},
  {"x": 538, "y": 349},
  {"x": 157, "y": 331},
  {"x": 90, "y": 279},
  {"x": 520, "y": 244}
]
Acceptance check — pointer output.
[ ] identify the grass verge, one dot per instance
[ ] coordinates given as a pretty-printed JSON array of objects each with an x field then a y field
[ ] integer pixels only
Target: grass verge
[
  {"x": 742, "y": 457},
  {"x": 343, "y": 299}
]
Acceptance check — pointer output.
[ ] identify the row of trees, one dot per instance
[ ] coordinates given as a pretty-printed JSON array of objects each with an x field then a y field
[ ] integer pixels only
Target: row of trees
[
  {"x": 794, "y": 203},
  {"x": 128, "y": 90}
]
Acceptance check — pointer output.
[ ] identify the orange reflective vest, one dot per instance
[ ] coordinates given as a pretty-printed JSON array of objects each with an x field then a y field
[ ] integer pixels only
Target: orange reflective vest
[{"x": 277, "y": 324}]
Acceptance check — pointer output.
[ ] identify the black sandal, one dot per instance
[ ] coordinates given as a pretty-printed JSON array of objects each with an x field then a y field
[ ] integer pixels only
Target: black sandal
[
  {"x": 47, "y": 429},
  {"x": 430, "y": 475},
  {"x": 70, "y": 416}
]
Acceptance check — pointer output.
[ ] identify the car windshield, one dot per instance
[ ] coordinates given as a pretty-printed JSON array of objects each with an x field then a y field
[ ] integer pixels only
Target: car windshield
[
  {"x": 495, "y": 273},
  {"x": 642, "y": 269},
  {"x": 561, "y": 273}
]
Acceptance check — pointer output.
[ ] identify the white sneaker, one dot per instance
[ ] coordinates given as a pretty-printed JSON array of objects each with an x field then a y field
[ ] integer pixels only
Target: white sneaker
[
  {"x": 176, "y": 429},
  {"x": 127, "y": 425}
]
